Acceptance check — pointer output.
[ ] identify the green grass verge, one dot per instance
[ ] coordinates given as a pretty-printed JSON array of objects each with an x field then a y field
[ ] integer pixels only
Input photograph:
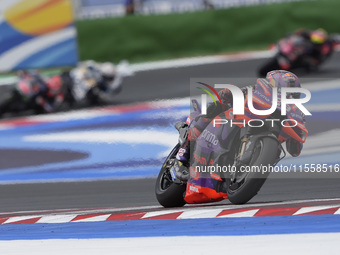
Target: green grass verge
[{"x": 142, "y": 38}]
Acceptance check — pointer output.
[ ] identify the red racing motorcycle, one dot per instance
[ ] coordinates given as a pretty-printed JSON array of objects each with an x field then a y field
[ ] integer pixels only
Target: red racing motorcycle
[
  {"x": 33, "y": 92},
  {"x": 295, "y": 51},
  {"x": 228, "y": 161}
]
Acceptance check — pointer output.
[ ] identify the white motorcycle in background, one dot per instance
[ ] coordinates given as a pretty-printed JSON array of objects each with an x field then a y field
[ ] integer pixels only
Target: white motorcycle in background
[{"x": 96, "y": 83}]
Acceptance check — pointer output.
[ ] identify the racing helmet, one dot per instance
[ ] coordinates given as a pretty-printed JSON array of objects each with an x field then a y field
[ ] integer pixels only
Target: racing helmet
[
  {"x": 318, "y": 36},
  {"x": 108, "y": 71},
  {"x": 90, "y": 71},
  {"x": 282, "y": 78}
]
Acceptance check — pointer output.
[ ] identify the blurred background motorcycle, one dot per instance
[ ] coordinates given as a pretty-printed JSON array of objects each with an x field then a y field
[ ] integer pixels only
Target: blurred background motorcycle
[
  {"x": 301, "y": 49},
  {"x": 32, "y": 92},
  {"x": 94, "y": 83},
  {"x": 89, "y": 83}
]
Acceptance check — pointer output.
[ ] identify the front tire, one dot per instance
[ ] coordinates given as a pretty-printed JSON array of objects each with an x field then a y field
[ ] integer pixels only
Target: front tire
[
  {"x": 168, "y": 193},
  {"x": 247, "y": 185}
]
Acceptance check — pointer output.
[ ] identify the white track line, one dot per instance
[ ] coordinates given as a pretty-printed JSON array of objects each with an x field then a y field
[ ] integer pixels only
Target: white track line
[{"x": 157, "y": 209}]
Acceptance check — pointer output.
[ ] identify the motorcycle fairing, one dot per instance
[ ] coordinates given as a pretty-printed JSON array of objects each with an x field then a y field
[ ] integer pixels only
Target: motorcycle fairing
[
  {"x": 210, "y": 149},
  {"x": 299, "y": 132}
]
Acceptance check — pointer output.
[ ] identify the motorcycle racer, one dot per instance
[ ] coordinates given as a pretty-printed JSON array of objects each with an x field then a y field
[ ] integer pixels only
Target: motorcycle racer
[
  {"x": 301, "y": 49},
  {"x": 93, "y": 80},
  {"x": 38, "y": 88},
  {"x": 277, "y": 78},
  {"x": 318, "y": 46}
]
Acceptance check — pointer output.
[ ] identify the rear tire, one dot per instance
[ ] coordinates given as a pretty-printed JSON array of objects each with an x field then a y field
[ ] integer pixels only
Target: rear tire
[
  {"x": 265, "y": 153},
  {"x": 168, "y": 193}
]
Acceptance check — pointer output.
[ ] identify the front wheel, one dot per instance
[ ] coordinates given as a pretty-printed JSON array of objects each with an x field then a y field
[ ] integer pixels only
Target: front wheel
[
  {"x": 168, "y": 193},
  {"x": 246, "y": 184}
]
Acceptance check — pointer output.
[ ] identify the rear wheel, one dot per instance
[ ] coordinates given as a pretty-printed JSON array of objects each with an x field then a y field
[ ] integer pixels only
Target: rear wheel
[
  {"x": 168, "y": 193},
  {"x": 244, "y": 185}
]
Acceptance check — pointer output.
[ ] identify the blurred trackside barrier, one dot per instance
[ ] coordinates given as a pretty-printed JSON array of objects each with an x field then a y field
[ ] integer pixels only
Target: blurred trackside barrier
[
  {"x": 92, "y": 9},
  {"x": 143, "y": 38}
]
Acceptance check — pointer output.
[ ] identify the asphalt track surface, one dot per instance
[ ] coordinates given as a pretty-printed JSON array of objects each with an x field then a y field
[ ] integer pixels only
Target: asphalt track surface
[{"x": 151, "y": 85}]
